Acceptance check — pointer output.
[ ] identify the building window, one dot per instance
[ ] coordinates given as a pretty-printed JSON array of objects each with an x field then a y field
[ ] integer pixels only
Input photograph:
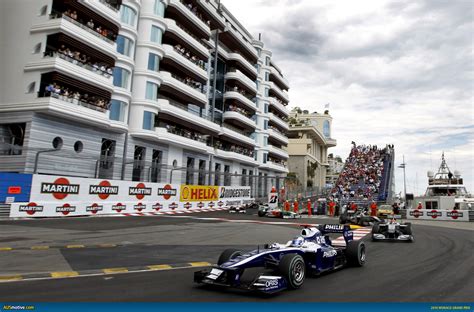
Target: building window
[
  {"x": 31, "y": 87},
  {"x": 267, "y": 76},
  {"x": 265, "y": 141},
  {"x": 148, "y": 120},
  {"x": 156, "y": 34},
  {"x": 267, "y": 92},
  {"x": 326, "y": 129},
  {"x": 107, "y": 155},
  {"x": 243, "y": 181},
  {"x": 127, "y": 15},
  {"x": 124, "y": 45},
  {"x": 217, "y": 174},
  {"x": 117, "y": 110},
  {"x": 57, "y": 143},
  {"x": 265, "y": 125},
  {"x": 202, "y": 172},
  {"x": 138, "y": 162},
  {"x": 190, "y": 171},
  {"x": 151, "y": 91},
  {"x": 227, "y": 176},
  {"x": 78, "y": 146},
  {"x": 153, "y": 62},
  {"x": 121, "y": 77},
  {"x": 156, "y": 165},
  {"x": 159, "y": 8},
  {"x": 265, "y": 108},
  {"x": 267, "y": 60},
  {"x": 265, "y": 158},
  {"x": 37, "y": 48}
]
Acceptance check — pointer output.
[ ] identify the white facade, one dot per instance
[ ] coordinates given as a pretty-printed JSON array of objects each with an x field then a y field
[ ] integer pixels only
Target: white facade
[{"x": 154, "y": 63}]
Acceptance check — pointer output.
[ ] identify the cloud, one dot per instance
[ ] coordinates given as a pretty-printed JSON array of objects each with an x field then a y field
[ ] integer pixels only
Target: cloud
[{"x": 398, "y": 72}]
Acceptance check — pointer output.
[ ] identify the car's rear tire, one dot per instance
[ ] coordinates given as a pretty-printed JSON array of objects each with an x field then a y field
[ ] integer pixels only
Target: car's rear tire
[
  {"x": 293, "y": 269},
  {"x": 228, "y": 254},
  {"x": 343, "y": 219},
  {"x": 261, "y": 213},
  {"x": 355, "y": 253}
]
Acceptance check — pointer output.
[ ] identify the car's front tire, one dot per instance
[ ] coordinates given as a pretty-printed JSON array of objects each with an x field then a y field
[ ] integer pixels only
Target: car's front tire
[
  {"x": 293, "y": 268},
  {"x": 228, "y": 254}
]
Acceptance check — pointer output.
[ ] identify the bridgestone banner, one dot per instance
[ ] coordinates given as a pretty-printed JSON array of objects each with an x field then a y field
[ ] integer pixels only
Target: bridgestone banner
[
  {"x": 438, "y": 215},
  {"x": 56, "y": 196}
]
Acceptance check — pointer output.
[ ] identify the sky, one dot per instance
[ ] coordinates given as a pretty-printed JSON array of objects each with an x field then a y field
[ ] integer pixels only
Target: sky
[{"x": 393, "y": 72}]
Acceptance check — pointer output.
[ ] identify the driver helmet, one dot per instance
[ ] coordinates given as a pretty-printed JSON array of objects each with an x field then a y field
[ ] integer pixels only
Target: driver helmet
[{"x": 297, "y": 241}]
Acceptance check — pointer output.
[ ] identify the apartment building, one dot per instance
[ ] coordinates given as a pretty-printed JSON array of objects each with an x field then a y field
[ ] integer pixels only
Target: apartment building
[
  {"x": 309, "y": 140},
  {"x": 144, "y": 90},
  {"x": 335, "y": 166}
]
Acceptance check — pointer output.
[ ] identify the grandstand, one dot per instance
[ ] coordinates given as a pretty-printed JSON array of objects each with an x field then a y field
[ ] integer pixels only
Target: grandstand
[{"x": 368, "y": 174}]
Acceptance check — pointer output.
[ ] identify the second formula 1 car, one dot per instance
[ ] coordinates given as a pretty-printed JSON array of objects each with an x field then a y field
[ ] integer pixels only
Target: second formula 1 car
[
  {"x": 392, "y": 230},
  {"x": 285, "y": 265},
  {"x": 358, "y": 217}
]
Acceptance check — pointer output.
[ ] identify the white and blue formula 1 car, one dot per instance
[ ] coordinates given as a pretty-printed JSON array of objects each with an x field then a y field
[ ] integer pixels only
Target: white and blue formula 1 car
[
  {"x": 285, "y": 265},
  {"x": 392, "y": 230}
]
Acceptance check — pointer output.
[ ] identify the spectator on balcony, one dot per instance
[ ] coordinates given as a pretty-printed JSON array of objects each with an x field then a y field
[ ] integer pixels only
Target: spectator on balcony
[
  {"x": 74, "y": 15},
  {"x": 90, "y": 24}
]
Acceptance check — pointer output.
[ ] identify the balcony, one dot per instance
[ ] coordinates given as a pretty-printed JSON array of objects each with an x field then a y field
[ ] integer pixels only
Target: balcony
[
  {"x": 279, "y": 106},
  {"x": 236, "y": 134},
  {"x": 270, "y": 165},
  {"x": 184, "y": 91},
  {"x": 168, "y": 136},
  {"x": 239, "y": 119},
  {"x": 186, "y": 115},
  {"x": 178, "y": 9},
  {"x": 283, "y": 95},
  {"x": 107, "y": 9},
  {"x": 190, "y": 66},
  {"x": 64, "y": 109},
  {"x": 73, "y": 68},
  {"x": 278, "y": 152},
  {"x": 275, "y": 134},
  {"x": 233, "y": 94},
  {"x": 249, "y": 68},
  {"x": 235, "y": 156},
  {"x": 278, "y": 121},
  {"x": 281, "y": 81},
  {"x": 242, "y": 80},
  {"x": 236, "y": 42},
  {"x": 81, "y": 33},
  {"x": 185, "y": 36}
]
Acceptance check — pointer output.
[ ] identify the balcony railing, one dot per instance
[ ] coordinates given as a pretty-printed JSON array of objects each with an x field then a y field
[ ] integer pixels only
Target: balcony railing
[
  {"x": 193, "y": 9},
  {"x": 106, "y": 3},
  {"x": 241, "y": 91},
  {"x": 108, "y": 38},
  {"x": 185, "y": 53},
  {"x": 196, "y": 136},
  {"x": 102, "y": 107},
  {"x": 191, "y": 83},
  {"x": 100, "y": 70}
]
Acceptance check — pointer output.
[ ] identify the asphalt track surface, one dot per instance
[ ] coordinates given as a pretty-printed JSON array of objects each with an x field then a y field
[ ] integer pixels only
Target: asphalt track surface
[{"x": 437, "y": 267}]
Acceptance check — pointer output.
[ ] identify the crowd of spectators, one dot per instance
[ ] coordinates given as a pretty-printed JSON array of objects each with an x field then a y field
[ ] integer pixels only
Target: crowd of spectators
[
  {"x": 187, "y": 54},
  {"x": 82, "y": 60},
  {"x": 239, "y": 110},
  {"x": 176, "y": 129},
  {"x": 75, "y": 97},
  {"x": 72, "y": 14},
  {"x": 361, "y": 176},
  {"x": 230, "y": 147},
  {"x": 190, "y": 82},
  {"x": 276, "y": 161},
  {"x": 193, "y": 8},
  {"x": 241, "y": 91}
]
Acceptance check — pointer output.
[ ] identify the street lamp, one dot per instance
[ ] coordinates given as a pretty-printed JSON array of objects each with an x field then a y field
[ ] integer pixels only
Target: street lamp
[{"x": 402, "y": 165}]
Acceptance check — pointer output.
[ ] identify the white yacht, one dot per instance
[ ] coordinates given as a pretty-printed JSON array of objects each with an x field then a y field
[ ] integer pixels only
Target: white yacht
[{"x": 445, "y": 191}]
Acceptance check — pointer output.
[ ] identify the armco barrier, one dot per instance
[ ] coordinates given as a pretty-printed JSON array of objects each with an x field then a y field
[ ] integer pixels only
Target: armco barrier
[
  {"x": 56, "y": 196},
  {"x": 439, "y": 215}
]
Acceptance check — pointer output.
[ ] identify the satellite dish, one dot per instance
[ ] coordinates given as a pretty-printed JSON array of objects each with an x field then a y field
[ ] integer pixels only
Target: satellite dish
[
  {"x": 430, "y": 174},
  {"x": 457, "y": 174}
]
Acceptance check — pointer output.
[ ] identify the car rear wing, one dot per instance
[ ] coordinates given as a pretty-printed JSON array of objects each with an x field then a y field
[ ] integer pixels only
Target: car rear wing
[{"x": 344, "y": 229}]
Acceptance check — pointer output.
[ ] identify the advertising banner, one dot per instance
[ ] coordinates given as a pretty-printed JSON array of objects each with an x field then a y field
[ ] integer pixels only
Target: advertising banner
[
  {"x": 56, "y": 196},
  {"x": 435, "y": 214}
]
